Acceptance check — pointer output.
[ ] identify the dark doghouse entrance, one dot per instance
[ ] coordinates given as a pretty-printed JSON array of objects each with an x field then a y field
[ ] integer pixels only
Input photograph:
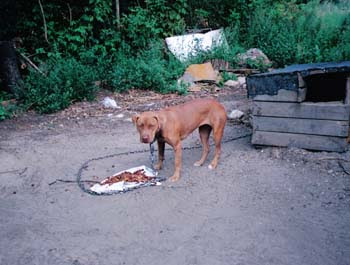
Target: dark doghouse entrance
[{"x": 326, "y": 87}]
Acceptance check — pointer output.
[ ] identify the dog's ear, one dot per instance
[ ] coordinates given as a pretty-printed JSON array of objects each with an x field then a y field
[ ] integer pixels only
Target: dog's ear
[
  {"x": 135, "y": 118},
  {"x": 158, "y": 119}
]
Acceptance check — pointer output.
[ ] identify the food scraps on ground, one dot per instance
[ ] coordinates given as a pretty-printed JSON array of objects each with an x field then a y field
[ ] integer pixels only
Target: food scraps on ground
[{"x": 137, "y": 176}]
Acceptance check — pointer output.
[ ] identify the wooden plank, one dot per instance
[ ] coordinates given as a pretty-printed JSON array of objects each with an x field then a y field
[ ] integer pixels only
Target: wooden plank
[
  {"x": 302, "y": 94},
  {"x": 304, "y": 126},
  {"x": 301, "y": 81},
  {"x": 283, "y": 95},
  {"x": 347, "y": 91},
  {"x": 311, "y": 142},
  {"x": 306, "y": 110}
]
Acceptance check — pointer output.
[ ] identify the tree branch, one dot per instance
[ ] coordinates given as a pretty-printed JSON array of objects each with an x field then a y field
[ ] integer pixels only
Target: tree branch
[
  {"x": 117, "y": 11},
  {"x": 32, "y": 64},
  {"x": 70, "y": 13},
  {"x": 45, "y": 27}
]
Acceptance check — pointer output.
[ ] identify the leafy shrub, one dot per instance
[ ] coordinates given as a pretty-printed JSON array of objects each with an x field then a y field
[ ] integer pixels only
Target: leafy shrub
[
  {"x": 65, "y": 82},
  {"x": 228, "y": 76},
  {"x": 149, "y": 69},
  {"x": 4, "y": 114},
  {"x": 289, "y": 33},
  {"x": 158, "y": 19},
  {"x": 323, "y": 32},
  {"x": 271, "y": 30},
  {"x": 225, "y": 76},
  {"x": 7, "y": 111}
]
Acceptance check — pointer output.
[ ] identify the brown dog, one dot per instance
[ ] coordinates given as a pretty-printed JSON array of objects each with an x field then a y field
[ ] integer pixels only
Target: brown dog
[{"x": 174, "y": 124}]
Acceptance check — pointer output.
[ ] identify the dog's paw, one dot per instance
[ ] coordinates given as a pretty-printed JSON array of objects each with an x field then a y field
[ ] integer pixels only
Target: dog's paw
[
  {"x": 211, "y": 167},
  {"x": 198, "y": 164},
  {"x": 174, "y": 178},
  {"x": 158, "y": 166}
]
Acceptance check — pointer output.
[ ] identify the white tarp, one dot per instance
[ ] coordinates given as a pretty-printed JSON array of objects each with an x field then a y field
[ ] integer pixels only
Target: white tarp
[
  {"x": 122, "y": 186},
  {"x": 186, "y": 46}
]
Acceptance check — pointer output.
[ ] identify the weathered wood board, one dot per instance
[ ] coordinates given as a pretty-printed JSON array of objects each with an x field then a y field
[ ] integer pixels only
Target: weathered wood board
[
  {"x": 303, "y": 126},
  {"x": 282, "y": 95},
  {"x": 311, "y": 142},
  {"x": 307, "y": 110},
  {"x": 347, "y": 89}
]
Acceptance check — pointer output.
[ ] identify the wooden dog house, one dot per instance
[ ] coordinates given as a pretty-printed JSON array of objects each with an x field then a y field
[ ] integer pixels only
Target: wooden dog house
[{"x": 305, "y": 106}]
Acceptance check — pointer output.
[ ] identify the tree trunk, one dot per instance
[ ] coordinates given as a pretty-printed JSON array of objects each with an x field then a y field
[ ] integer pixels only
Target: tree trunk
[
  {"x": 117, "y": 12},
  {"x": 9, "y": 72}
]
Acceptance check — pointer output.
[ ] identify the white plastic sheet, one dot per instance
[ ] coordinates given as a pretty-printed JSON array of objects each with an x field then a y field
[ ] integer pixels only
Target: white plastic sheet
[
  {"x": 123, "y": 186},
  {"x": 185, "y": 46}
]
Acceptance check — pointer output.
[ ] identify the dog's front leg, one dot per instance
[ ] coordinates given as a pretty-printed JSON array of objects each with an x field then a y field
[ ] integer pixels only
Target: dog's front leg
[
  {"x": 161, "y": 146},
  {"x": 178, "y": 157}
]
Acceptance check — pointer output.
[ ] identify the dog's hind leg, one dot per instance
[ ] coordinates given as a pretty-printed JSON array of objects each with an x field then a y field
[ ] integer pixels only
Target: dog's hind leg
[
  {"x": 204, "y": 132},
  {"x": 161, "y": 147},
  {"x": 217, "y": 135}
]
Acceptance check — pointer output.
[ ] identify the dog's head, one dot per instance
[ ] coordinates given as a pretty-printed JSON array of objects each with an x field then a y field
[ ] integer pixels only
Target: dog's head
[{"x": 147, "y": 124}]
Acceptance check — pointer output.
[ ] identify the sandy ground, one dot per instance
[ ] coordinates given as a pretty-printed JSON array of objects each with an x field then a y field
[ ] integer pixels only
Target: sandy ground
[{"x": 261, "y": 206}]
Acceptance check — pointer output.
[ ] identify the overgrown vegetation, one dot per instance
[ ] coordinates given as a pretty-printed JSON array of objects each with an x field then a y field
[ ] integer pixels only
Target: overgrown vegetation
[
  {"x": 82, "y": 42},
  {"x": 7, "y": 108},
  {"x": 148, "y": 69},
  {"x": 304, "y": 33},
  {"x": 63, "y": 82}
]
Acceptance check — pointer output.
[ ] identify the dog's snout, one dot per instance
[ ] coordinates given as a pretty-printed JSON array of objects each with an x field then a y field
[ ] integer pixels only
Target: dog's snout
[{"x": 145, "y": 138}]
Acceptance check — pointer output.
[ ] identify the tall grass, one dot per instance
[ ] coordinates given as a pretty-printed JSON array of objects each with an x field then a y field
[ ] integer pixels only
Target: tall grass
[{"x": 312, "y": 32}]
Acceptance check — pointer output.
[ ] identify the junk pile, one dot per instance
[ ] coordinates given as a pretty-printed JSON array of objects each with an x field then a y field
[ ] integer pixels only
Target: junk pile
[{"x": 207, "y": 75}]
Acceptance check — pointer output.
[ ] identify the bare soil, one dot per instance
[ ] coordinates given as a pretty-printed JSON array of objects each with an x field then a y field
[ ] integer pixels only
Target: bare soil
[{"x": 261, "y": 206}]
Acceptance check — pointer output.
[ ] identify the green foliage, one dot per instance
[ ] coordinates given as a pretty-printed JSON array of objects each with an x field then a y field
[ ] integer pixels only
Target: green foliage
[
  {"x": 140, "y": 27},
  {"x": 65, "y": 82},
  {"x": 272, "y": 31},
  {"x": 159, "y": 19},
  {"x": 6, "y": 111},
  {"x": 181, "y": 88},
  {"x": 228, "y": 76},
  {"x": 225, "y": 76},
  {"x": 323, "y": 32},
  {"x": 289, "y": 33},
  {"x": 258, "y": 64},
  {"x": 86, "y": 43},
  {"x": 71, "y": 31},
  {"x": 146, "y": 70}
]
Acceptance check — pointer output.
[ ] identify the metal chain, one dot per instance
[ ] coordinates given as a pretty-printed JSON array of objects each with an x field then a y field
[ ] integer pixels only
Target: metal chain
[{"x": 152, "y": 158}]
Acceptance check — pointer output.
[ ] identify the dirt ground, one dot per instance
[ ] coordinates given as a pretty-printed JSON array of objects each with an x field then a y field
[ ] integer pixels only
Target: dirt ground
[{"x": 261, "y": 206}]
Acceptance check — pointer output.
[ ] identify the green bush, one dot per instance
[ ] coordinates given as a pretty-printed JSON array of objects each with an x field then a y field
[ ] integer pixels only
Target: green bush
[
  {"x": 149, "y": 69},
  {"x": 66, "y": 81},
  {"x": 292, "y": 33},
  {"x": 323, "y": 32},
  {"x": 123, "y": 54},
  {"x": 4, "y": 114},
  {"x": 272, "y": 31},
  {"x": 158, "y": 19},
  {"x": 7, "y": 111}
]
